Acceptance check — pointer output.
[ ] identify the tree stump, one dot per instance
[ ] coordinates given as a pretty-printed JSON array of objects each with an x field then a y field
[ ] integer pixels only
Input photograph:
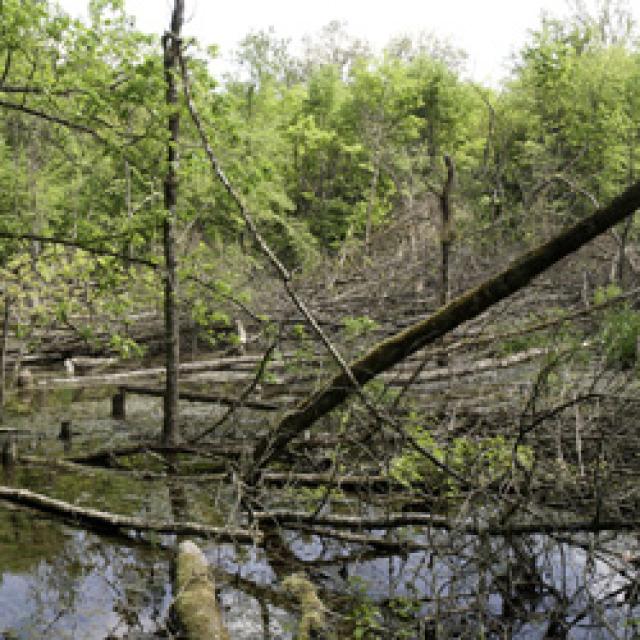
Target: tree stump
[
  {"x": 119, "y": 405},
  {"x": 9, "y": 452},
  {"x": 65, "y": 431},
  {"x": 195, "y": 608}
]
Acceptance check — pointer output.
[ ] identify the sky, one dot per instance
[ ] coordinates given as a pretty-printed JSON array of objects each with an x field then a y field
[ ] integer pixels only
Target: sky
[{"x": 490, "y": 31}]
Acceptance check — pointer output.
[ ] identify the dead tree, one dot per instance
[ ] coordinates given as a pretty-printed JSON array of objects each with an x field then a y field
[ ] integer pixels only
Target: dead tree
[
  {"x": 446, "y": 237},
  {"x": 3, "y": 351},
  {"x": 469, "y": 305},
  {"x": 171, "y": 44}
]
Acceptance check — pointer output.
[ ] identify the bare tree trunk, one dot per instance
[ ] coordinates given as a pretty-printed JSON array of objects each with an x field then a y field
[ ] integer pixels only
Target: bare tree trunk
[
  {"x": 3, "y": 352},
  {"x": 171, "y": 45},
  {"x": 445, "y": 241},
  {"x": 469, "y": 305},
  {"x": 128, "y": 249},
  {"x": 372, "y": 196}
]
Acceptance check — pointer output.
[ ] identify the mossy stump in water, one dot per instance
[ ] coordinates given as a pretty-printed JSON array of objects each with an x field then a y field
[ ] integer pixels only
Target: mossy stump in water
[
  {"x": 312, "y": 619},
  {"x": 195, "y": 607}
]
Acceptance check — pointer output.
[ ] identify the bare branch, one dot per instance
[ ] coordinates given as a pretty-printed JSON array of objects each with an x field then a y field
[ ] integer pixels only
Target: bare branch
[
  {"x": 78, "y": 245},
  {"x": 75, "y": 126}
]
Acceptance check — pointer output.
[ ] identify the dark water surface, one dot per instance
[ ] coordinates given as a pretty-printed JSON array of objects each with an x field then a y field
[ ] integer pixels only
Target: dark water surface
[{"x": 57, "y": 581}]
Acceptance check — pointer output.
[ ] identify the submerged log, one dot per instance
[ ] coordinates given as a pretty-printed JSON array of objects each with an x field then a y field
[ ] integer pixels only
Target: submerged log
[
  {"x": 195, "y": 607},
  {"x": 201, "y": 397}
]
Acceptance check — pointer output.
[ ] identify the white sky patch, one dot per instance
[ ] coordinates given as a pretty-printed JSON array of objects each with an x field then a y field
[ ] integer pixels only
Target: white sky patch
[{"x": 490, "y": 31}]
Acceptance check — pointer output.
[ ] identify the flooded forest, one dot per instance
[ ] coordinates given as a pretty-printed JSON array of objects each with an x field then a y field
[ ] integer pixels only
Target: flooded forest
[{"x": 337, "y": 343}]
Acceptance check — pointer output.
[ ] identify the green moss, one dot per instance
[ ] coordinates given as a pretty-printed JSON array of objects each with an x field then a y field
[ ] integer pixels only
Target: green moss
[
  {"x": 195, "y": 605},
  {"x": 313, "y": 611}
]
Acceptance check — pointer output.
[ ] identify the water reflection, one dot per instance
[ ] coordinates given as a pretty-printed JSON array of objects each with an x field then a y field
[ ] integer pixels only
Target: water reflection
[{"x": 59, "y": 582}]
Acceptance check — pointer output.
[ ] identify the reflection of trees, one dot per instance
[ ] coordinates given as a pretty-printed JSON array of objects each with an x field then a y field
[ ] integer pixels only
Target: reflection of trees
[
  {"x": 26, "y": 540},
  {"x": 86, "y": 587}
]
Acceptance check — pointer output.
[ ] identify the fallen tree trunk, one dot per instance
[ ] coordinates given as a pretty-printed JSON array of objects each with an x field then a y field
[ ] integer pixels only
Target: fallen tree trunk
[
  {"x": 109, "y": 457},
  {"x": 106, "y": 520},
  {"x": 326, "y": 525},
  {"x": 202, "y": 397},
  {"x": 393, "y": 350}
]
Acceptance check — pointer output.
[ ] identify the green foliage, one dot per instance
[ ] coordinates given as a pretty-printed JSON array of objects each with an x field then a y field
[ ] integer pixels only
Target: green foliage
[
  {"x": 365, "y": 616},
  {"x": 126, "y": 347},
  {"x": 620, "y": 327},
  {"x": 355, "y": 326},
  {"x": 486, "y": 458}
]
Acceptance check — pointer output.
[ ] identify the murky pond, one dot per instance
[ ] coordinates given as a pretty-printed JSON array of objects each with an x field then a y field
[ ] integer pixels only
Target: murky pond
[{"x": 58, "y": 581}]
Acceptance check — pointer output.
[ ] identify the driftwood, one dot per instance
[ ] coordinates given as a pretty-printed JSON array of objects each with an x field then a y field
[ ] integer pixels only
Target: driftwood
[
  {"x": 393, "y": 350},
  {"x": 202, "y": 397},
  {"x": 303, "y": 521},
  {"x": 481, "y": 366},
  {"x": 108, "y": 457},
  {"x": 114, "y": 521},
  {"x": 375, "y": 483},
  {"x": 241, "y": 363}
]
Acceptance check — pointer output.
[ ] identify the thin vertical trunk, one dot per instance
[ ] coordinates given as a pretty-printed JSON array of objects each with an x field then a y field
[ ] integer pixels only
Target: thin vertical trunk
[
  {"x": 3, "y": 351},
  {"x": 372, "y": 196},
  {"x": 128, "y": 250},
  {"x": 618, "y": 270},
  {"x": 445, "y": 238},
  {"x": 445, "y": 241},
  {"x": 171, "y": 44}
]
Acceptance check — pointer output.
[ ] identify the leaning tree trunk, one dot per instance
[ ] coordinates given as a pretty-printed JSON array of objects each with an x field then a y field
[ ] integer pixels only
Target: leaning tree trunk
[
  {"x": 396, "y": 348},
  {"x": 171, "y": 45}
]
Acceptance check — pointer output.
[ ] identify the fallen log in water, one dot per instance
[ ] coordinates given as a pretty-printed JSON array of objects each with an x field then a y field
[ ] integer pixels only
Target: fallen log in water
[
  {"x": 109, "y": 457},
  {"x": 302, "y": 520},
  {"x": 242, "y": 364},
  {"x": 201, "y": 397},
  {"x": 107, "y": 520},
  {"x": 384, "y": 355}
]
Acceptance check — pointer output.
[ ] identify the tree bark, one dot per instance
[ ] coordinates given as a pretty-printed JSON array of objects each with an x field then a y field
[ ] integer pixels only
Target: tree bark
[
  {"x": 394, "y": 349},
  {"x": 445, "y": 242},
  {"x": 171, "y": 45},
  {"x": 3, "y": 352},
  {"x": 445, "y": 233}
]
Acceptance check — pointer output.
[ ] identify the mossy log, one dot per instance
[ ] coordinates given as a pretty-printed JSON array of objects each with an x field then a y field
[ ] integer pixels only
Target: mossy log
[
  {"x": 471, "y": 304},
  {"x": 195, "y": 607}
]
